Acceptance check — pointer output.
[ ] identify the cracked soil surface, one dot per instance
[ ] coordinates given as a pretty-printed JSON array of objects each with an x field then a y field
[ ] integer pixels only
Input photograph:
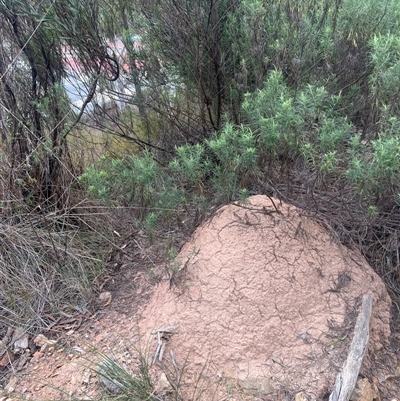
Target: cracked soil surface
[{"x": 264, "y": 303}]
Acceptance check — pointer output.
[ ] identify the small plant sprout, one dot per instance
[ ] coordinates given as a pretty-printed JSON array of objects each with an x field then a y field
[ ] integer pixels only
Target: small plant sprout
[
  {"x": 372, "y": 211},
  {"x": 244, "y": 196}
]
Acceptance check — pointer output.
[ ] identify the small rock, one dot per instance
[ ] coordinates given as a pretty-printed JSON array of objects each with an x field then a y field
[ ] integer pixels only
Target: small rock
[
  {"x": 86, "y": 377},
  {"x": 6, "y": 359},
  {"x": 301, "y": 397},
  {"x": 43, "y": 342},
  {"x": 163, "y": 385},
  {"x": 258, "y": 387},
  {"x": 3, "y": 345},
  {"x": 20, "y": 341},
  {"x": 106, "y": 298},
  {"x": 365, "y": 391}
]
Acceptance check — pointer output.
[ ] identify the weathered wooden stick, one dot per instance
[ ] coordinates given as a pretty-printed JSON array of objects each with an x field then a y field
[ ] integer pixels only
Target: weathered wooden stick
[
  {"x": 169, "y": 329},
  {"x": 347, "y": 378}
]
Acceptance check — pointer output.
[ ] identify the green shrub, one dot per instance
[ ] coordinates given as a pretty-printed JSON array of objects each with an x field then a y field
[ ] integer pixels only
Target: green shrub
[
  {"x": 305, "y": 123},
  {"x": 217, "y": 170},
  {"x": 235, "y": 154},
  {"x": 375, "y": 167},
  {"x": 190, "y": 165},
  {"x": 134, "y": 180}
]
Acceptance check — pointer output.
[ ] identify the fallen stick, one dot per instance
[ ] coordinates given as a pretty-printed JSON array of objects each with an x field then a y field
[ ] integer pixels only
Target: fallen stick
[
  {"x": 163, "y": 335},
  {"x": 169, "y": 329},
  {"x": 347, "y": 378}
]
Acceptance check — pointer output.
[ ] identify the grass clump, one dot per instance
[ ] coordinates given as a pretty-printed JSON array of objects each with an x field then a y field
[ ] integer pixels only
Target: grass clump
[
  {"x": 45, "y": 269},
  {"x": 118, "y": 381}
]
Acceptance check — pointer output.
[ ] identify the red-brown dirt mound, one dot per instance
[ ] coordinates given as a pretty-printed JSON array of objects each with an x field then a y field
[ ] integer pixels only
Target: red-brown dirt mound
[{"x": 266, "y": 300}]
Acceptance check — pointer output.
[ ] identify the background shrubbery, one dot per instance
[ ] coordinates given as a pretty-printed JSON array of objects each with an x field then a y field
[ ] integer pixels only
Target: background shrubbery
[{"x": 296, "y": 99}]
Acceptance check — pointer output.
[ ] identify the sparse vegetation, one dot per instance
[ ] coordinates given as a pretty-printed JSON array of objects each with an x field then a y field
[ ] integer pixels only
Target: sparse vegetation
[
  {"x": 208, "y": 103},
  {"x": 125, "y": 385},
  {"x": 47, "y": 267}
]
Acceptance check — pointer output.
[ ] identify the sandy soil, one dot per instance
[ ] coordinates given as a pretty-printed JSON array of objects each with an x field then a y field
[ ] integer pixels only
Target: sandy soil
[{"x": 263, "y": 302}]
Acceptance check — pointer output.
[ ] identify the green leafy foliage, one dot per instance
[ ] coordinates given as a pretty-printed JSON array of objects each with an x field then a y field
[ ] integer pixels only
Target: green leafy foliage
[
  {"x": 235, "y": 156},
  {"x": 385, "y": 60},
  {"x": 216, "y": 170},
  {"x": 190, "y": 165},
  {"x": 375, "y": 167},
  {"x": 306, "y": 123}
]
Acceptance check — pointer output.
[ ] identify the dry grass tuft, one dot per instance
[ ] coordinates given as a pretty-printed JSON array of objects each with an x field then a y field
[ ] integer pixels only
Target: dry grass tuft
[{"x": 46, "y": 268}]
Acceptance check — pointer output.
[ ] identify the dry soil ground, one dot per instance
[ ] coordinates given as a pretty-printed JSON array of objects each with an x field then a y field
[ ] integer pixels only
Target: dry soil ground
[{"x": 242, "y": 295}]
